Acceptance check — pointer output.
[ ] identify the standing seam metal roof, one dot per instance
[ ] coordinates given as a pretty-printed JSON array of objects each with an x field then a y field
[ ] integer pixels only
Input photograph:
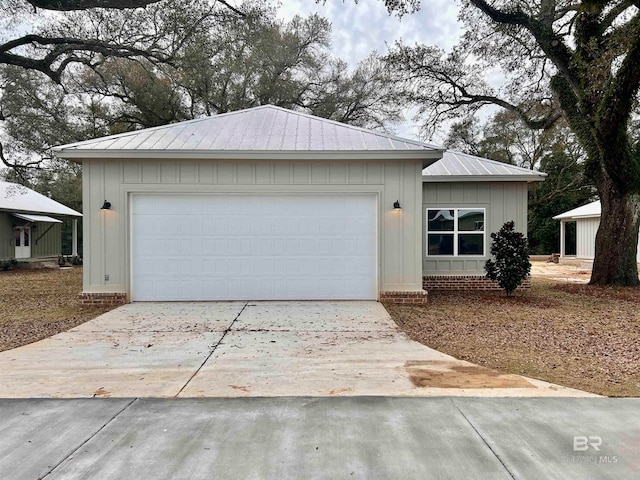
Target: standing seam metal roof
[
  {"x": 14, "y": 197},
  {"x": 458, "y": 164},
  {"x": 264, "y": 128}
]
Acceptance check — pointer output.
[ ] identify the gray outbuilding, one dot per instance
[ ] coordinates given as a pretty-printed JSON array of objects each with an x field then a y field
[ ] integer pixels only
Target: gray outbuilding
[
  {"x": 30, "y": 225},
  {"x": 271, "y": 204}
]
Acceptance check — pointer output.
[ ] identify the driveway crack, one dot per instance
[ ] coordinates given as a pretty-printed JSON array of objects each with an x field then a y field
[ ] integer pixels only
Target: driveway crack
[
  {"x": 484, "y": 440},
  {"x": 73, "y": 452},
  {"x": 224, "y": 334}
]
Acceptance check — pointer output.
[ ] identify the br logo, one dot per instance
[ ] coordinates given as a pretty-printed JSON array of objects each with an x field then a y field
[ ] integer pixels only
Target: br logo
[{"x": 582, "y": 443}]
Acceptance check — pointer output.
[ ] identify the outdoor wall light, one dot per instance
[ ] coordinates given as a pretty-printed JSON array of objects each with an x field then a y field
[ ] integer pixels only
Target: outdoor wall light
[
  {"x": 396, "y": 205},
  {"x": 106, "y": 206}
]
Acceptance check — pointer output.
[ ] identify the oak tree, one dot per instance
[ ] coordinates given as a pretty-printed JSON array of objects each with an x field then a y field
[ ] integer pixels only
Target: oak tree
[{"x": 581, "y": 60}]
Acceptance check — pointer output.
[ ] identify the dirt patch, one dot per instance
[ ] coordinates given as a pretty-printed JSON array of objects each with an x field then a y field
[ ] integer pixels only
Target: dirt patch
[
  {"x": 560, "y": 272},
  {"x": 575, "y": 335},
  {"x": 240, "y": 387},
  {"x": 101, "y": 392},
  {"x": 438, "y": 374},
  {"x": 39, "y": 303}
]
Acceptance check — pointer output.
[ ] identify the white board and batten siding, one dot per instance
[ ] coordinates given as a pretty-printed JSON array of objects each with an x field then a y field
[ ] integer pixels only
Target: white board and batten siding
[
  {"x": 200, "y": 191},
  {"x": 502, "y": 201}
]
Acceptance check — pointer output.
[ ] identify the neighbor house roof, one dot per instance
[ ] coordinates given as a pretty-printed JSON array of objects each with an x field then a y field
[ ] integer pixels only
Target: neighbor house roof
[
  {"x": 262, "y": 132},
  {"x": 456, "y": 166},
  {"x": 590, "y": 210},
  {"x": 19, "y": 199}
]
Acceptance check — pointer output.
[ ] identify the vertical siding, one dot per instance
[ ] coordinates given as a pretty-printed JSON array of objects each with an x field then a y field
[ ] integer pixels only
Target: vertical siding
[
  {"x": 106, "y": 234},
  {"x": 502, "y": 201},
  {"x": 586, "y": 229},
  {"x": 49, "y": 243},
  {"x": 7, "y": 245},
  {"x": 42, "y": 244}
]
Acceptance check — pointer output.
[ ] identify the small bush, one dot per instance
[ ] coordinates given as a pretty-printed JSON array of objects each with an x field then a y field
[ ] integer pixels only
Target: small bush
[
  {"x": 511, "y": 252},
  {"x": 8, "y": 264},
  {"x": 69, "y": 260}
]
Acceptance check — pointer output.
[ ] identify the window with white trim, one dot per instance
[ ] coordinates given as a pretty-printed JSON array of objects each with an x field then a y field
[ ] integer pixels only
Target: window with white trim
[{"x": 455, "y": 231}]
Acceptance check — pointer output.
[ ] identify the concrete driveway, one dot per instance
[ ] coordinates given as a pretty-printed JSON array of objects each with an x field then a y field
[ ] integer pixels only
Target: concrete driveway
[
  {"x": 328, "y": 438},
  {"x": 235, "y": 349}
]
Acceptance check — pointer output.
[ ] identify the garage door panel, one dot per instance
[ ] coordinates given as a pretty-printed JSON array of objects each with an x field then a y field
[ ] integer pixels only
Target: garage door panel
[{"x": 199, "y": 247}]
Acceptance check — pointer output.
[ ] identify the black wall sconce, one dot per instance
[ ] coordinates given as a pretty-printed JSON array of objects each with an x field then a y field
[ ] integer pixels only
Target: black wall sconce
[
  {"x": 396, "y": 205},
  {"x": 106, "y": 206}
]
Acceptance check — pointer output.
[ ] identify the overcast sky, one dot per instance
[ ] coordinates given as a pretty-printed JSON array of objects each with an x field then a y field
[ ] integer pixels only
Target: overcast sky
[{"x": 358, "y": 30}]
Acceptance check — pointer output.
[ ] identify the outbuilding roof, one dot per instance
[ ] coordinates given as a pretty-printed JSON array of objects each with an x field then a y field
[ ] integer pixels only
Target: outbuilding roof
[
  {"x": 261, "y": 132},
  {"x": 457, "y": 166},
  {"x": 590, "y": 210},
  {"x": 17, "y": 198}
]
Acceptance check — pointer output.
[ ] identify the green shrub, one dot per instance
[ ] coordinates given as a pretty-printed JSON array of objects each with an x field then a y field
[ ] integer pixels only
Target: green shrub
[
  {"x": 8, "y": 264},
  {"x": 69, "y": 260},
  {"x": 511, "y": 252}
]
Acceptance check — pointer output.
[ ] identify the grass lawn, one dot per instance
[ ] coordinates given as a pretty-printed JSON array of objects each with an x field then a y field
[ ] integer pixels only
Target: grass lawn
[
  {"x": 38, "y": 303},
  {"x": 571, "y": 334}
]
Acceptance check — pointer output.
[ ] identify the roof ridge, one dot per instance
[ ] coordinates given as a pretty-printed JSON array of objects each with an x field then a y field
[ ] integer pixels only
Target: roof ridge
[{"x": 354, "y": 127}]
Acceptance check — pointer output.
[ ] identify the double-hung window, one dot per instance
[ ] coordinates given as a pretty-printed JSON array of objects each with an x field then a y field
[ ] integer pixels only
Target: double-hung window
[{"x": 456, "y": 231}]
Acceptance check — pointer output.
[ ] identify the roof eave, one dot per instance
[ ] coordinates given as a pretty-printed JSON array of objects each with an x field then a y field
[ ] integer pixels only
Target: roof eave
[
  {"x": 42, "y": 212},
  {"x": 576, "y": 217},
  {"x": 428, "y": 157},
  {"x": 483, "y": 178}
]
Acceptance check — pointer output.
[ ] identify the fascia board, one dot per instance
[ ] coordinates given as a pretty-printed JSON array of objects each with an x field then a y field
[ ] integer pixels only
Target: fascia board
[
  {"x": 483, "y": 178},
  {"x": 427, "y": 157}
]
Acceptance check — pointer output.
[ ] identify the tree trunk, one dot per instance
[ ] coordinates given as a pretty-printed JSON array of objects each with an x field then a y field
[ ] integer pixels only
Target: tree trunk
[{"x": 615, "y": 260}]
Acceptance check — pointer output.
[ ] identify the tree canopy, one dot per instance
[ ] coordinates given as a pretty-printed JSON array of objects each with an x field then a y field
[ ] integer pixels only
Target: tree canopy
[
  {"x": 555, "y": 151},
  {"x": 578, "y": 59}
]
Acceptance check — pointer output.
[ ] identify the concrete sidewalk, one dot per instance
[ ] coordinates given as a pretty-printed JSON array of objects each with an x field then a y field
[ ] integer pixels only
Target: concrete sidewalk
[
  {"x": 297, "y": 438},
  {"x": 258, "y": 349}
]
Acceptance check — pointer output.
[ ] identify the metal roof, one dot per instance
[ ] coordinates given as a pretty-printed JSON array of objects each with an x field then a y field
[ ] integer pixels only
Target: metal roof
[
  {"x": 17, "y": 198},
  {"x": 36, "y": 218},
  {"x": 457, "y": 166},
  {"x": 261, "y": 132},
  {"x": 589, "y": 210}
]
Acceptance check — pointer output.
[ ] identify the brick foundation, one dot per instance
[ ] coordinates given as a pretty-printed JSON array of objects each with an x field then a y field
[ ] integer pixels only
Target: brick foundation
[
  {"x": 464, "y": 282},
  {"x": 419, "y": 297},
  {"x": 94, "y": 299}
]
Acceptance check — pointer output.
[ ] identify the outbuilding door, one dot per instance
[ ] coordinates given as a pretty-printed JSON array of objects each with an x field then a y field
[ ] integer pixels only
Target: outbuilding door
[
  {"x": 253, "y": 247},
  {"x": 23, "y": 242}
]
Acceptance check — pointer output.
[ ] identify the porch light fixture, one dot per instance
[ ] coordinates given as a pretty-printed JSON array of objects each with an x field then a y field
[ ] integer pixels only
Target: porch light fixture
[
  {"x": 106, "y": 206},
  {"x": 396, "y": 205}
]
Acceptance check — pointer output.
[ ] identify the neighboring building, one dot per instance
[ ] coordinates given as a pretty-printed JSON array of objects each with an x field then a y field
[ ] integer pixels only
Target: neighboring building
[
  {"x": 268, "y": 203},
  {"x": 30, "y": 224},
  {"x": 587, "y": 220}
]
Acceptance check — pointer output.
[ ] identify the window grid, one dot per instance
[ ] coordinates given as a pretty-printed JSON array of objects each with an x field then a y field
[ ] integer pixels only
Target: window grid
[{"x": 455, "y": 233}]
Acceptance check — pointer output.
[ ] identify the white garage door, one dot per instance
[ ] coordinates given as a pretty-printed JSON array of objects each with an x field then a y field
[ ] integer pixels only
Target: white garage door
[{"x": 253, "y": 247}]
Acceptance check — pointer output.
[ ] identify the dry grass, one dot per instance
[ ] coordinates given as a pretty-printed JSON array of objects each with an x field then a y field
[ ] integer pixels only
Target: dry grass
[
  {"x": 39, "y": 303},
  {"x": 571, "y": 334}
]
